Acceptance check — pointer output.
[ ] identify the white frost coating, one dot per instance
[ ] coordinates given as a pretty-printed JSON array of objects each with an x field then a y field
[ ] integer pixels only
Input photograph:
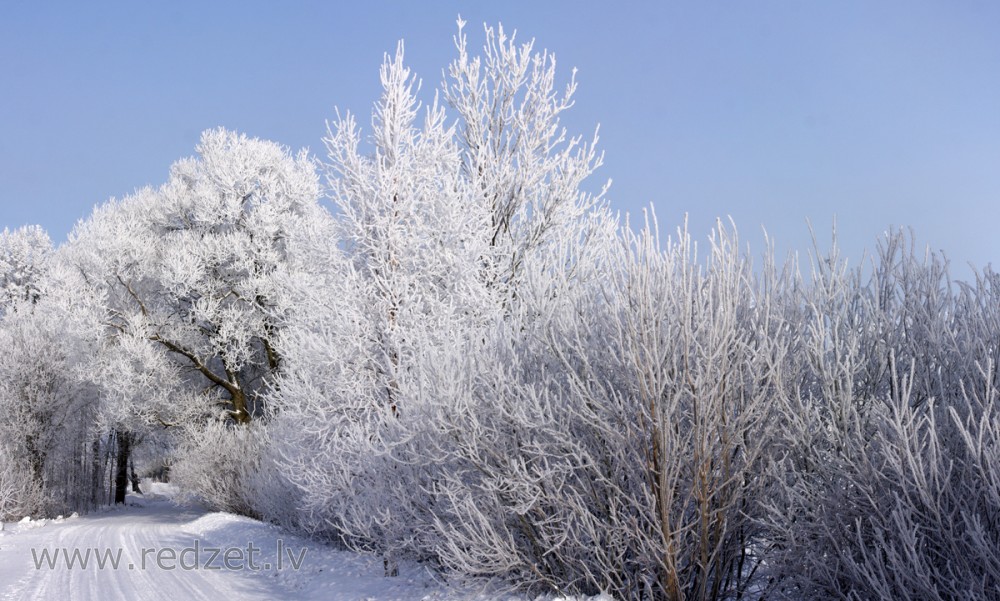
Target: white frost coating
[{"x": 472, "y": 364}]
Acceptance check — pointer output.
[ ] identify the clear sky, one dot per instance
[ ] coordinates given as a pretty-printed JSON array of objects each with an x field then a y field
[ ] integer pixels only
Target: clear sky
[{"x": 773, "y": 112}]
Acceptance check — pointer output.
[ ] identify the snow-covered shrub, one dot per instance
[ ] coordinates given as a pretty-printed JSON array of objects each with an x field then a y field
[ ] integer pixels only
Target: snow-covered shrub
[
  {"x": 20, "y": 493},
  {"x": 888, "y": 465},
  {"x": 217, "y": 461},
  {"x": 614, "y": 438},
  {"x": 932, "y": 533},
  {"x": 909, "y": 511}
]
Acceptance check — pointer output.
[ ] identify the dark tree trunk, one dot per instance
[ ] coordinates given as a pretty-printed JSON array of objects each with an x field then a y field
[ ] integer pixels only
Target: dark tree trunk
[
  {"x": 133, "y": 476},
  {"x": 121, "y": 465},
  {"x": 96, "y": 474}
]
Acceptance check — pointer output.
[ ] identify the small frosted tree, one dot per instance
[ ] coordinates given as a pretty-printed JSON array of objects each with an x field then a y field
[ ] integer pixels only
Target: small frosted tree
[{"x": 24, "y": 257}]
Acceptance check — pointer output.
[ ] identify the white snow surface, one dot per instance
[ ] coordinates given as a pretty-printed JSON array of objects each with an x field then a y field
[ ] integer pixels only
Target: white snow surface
[{"x": 164, "y": 529}]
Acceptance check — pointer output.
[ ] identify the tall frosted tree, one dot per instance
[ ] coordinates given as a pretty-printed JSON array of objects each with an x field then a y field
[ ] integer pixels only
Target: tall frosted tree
[
  {"x": 520, "y": 164},
  {"x": 193, "y": 267},
  {"x": 407, "y": 224},
  {"x": 48, "y": 407},
  {"x": 193, "y": 277},
  {"x": 444, "y": 227}
]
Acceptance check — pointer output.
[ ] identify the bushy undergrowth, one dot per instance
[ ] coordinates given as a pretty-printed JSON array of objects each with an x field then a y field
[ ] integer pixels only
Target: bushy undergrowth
[
  {"x": 658, "y": 428},
  {"x": 887, "y": 475}
]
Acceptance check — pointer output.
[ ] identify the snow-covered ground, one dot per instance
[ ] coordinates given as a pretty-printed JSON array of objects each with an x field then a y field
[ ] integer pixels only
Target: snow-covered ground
[{"x": 155, "y": 549}]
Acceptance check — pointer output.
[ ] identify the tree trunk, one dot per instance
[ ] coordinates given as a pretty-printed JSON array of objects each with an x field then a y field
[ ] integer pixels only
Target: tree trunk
[
  {"x": 121, "y": 465},
  {"x": 133, "y": 476},
  {"x": 240, "y": 412},
  {"x": 96, "y": 474}
]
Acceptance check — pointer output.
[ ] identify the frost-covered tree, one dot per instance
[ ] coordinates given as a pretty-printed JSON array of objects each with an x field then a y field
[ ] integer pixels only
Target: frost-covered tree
[
  {"x": 519, "y": 162},
  {"x": 24, "y": 256},
  {"x": 439, "y": 223},
  {"x": 408, "y": 226},
  {"x": 193, "y": 267},
  {"x": 192, "y": 278},
  {"x": 47, "y": 406},
  {"x": 404, "y": 279}
]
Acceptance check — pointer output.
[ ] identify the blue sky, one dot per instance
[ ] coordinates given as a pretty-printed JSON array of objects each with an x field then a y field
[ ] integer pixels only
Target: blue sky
[{"x": 873, "y": 113}]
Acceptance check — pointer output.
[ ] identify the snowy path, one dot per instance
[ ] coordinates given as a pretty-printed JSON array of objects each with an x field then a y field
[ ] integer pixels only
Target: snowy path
[
  {"x": 167, "y": 552},
  {"x": 156, "y": 527}
]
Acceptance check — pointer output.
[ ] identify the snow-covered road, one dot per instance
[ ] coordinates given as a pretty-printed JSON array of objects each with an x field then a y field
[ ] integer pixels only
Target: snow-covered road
[
  {"x": 156, "y": 550},
  {"x": 34, "y": 563}
]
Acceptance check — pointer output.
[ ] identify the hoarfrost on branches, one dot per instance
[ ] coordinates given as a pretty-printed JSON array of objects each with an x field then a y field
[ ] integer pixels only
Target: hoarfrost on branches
[{"x": 472, "y": 362}]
